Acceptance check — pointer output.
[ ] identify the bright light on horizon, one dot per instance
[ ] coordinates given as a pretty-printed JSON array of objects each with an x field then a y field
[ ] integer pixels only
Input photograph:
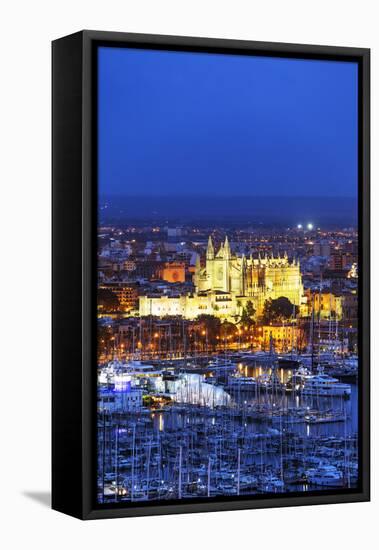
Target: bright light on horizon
[
  {"x": 310, "y": 226},
  {"x": 299, "y": 226}
]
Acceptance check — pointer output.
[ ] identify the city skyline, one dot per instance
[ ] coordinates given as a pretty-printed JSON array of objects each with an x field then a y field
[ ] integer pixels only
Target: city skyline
[{"x": 275, "y": 211}]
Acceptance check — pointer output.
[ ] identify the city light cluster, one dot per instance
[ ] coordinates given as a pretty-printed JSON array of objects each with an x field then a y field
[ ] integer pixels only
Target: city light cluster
[{"x": 309, "y": 226}]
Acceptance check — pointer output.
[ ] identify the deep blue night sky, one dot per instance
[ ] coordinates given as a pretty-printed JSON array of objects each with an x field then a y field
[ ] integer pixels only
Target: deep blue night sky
[{"x": 178, "y": 123}]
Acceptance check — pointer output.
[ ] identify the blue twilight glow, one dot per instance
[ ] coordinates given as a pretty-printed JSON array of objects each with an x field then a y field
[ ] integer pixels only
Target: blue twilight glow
[{"x": 179, "y": 123}]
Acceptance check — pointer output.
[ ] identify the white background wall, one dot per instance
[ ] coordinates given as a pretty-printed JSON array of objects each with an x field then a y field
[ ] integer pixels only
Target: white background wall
[{"x": 26, "y": 31}]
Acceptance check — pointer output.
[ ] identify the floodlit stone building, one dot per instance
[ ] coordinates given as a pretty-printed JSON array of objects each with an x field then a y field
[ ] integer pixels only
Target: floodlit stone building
[{"x": 226, "y": 282}]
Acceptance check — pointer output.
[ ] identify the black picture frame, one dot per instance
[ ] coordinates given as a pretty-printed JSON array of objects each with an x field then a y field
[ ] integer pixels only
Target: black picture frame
[{"x": 74, "y": 206}]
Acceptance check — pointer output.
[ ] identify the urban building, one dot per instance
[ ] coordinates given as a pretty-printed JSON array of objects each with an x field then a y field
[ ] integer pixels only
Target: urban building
[
  {"x": 283, "y": 337},
  {"x": 127, "y": 294},
  {"x": 325, "y": 304},
  {"x": 173, "y": 272},
  {"x": 321, "y": 249}
]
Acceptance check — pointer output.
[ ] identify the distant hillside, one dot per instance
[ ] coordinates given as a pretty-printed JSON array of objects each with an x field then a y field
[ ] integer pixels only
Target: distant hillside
[{"x": 232, "y": 210}]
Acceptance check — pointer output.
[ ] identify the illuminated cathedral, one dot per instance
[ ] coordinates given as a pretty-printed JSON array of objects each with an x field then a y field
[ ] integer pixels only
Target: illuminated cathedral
[{"x": 226, "y": 282}]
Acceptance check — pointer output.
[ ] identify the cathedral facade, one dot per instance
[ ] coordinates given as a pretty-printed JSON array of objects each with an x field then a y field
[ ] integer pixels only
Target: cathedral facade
[{"x": 226, "y": 282}]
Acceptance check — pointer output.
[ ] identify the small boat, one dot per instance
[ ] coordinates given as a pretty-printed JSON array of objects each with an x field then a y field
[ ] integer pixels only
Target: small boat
[
  {"x": 226, "y": 488},
  {"x": 296, "y": 381},
  {"x": 270, "y": 483},
  {"x": 324, "y": 418},
  {"x": 248, "y": 481},
  {"x": 114, "y": 491},
  {"x": 270, "y": 382}
]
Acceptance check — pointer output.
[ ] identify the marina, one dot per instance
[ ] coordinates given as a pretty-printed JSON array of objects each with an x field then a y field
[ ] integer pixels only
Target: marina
[{"x": 222, "y": 426}]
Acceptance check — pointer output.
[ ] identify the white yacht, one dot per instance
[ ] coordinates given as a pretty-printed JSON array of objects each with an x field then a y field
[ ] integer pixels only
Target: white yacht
[
  {"x": 324, "y": 385},
  {"x": 120, "y": 374},
  {"x": 325, "y": 475},
  {"x": 242, "y": 383}
]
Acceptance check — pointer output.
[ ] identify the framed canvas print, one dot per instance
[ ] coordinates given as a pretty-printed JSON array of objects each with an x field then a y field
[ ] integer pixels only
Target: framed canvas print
[{"x": 210, "y": 274}]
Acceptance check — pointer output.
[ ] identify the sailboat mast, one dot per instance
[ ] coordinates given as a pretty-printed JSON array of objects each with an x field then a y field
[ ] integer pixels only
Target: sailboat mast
[
  {"x": 180, "y": 473},
  {"x": 209, "y": 477},
  {"x": 116, "y": 463},
  {"x": 312, "y": 335}
]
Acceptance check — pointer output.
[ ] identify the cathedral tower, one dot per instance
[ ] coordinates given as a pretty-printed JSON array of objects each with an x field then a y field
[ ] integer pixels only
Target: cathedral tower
[{"x": 210, "y": 250}]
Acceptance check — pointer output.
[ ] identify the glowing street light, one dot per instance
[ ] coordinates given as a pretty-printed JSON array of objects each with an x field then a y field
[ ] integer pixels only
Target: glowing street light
[
  {"x": 299, "y": 226},
  {"x": 310, "y": 226}
]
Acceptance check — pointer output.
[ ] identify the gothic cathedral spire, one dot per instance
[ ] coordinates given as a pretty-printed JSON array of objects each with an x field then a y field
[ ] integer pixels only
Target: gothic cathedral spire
[
  {"x": 227, "y": 250},
  {"x": 210, "y": 249}
]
